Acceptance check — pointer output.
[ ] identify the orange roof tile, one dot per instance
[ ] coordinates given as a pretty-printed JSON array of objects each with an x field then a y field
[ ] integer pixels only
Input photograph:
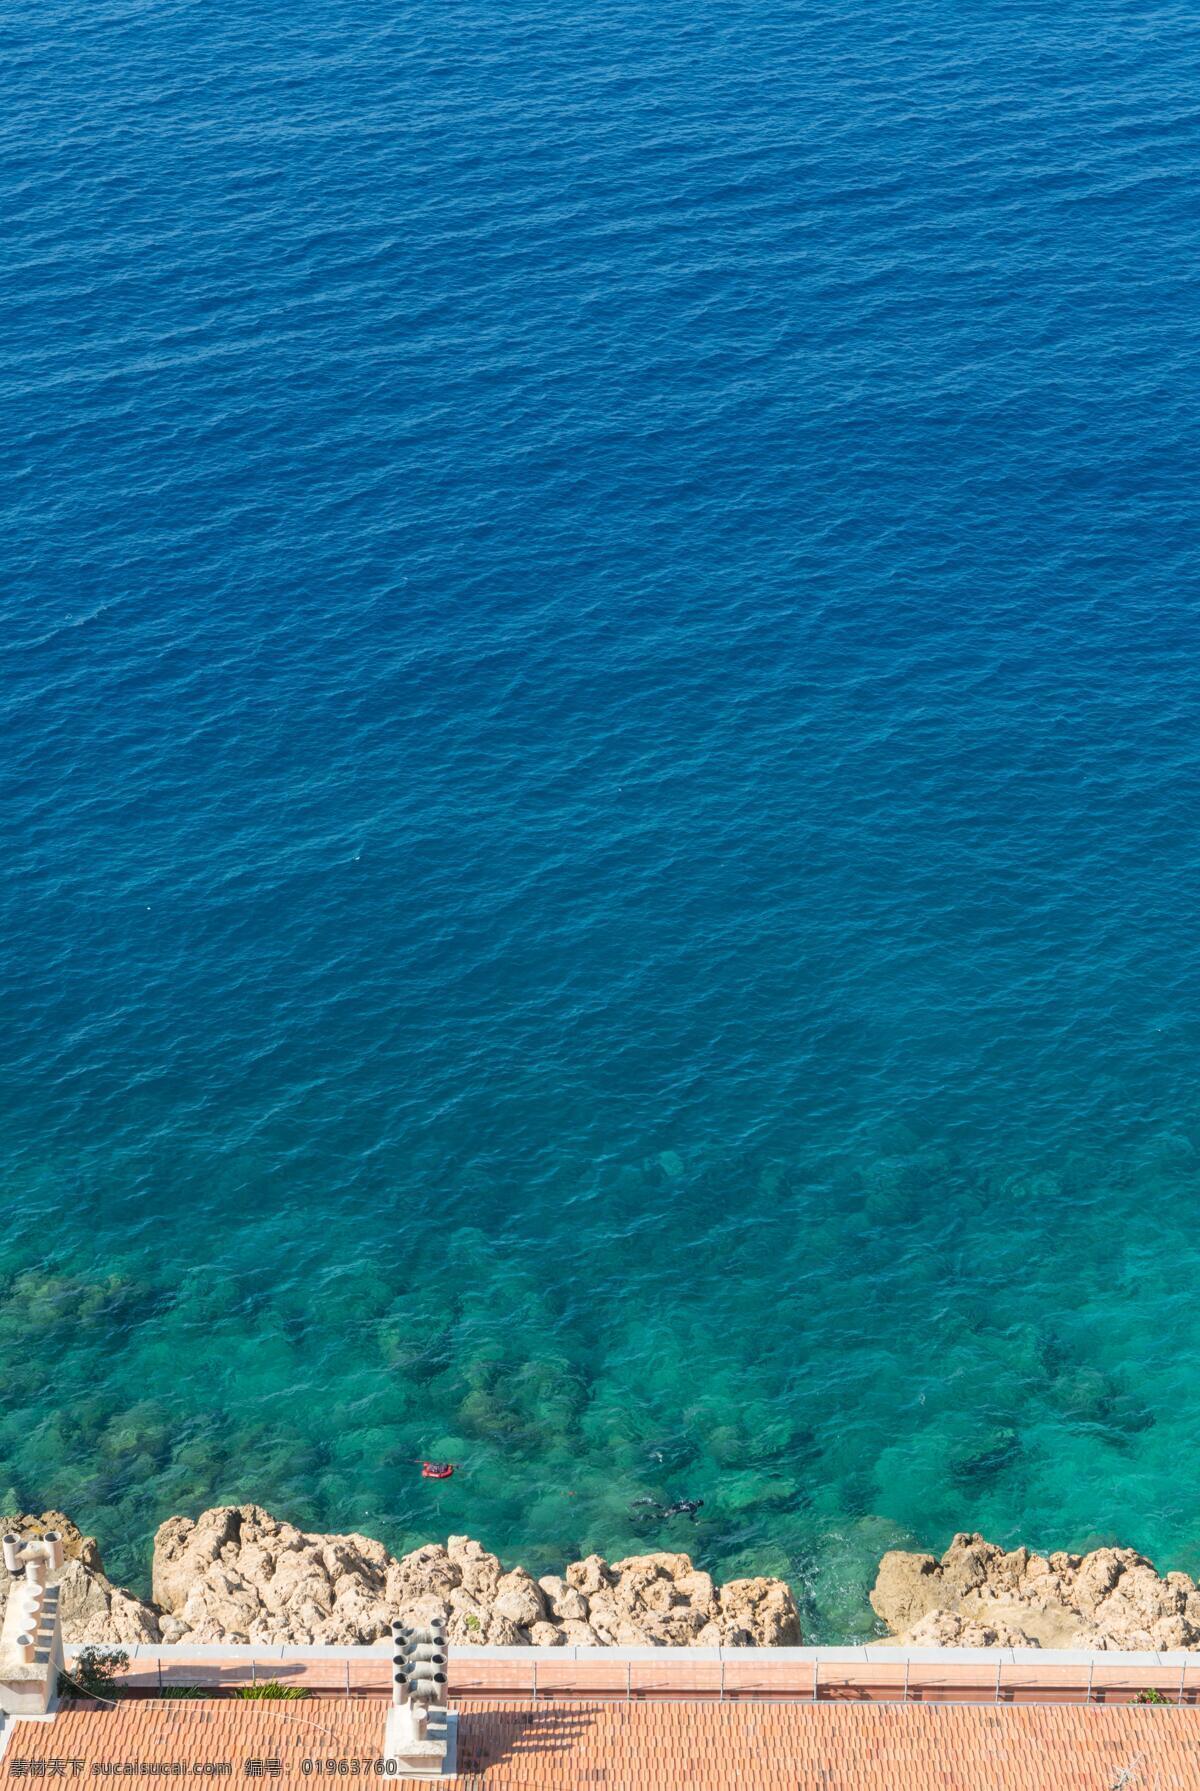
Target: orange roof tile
[{"x": 629, "y": 1747}]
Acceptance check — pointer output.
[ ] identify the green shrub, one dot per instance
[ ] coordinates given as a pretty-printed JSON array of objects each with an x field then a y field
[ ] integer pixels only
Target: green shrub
[
  {"x": 184, "y": 1691},
  {"x": 93, "y": 1674},
  {"x": 271, "y": 1689},
  {"x": 1150, "y": 1696}
]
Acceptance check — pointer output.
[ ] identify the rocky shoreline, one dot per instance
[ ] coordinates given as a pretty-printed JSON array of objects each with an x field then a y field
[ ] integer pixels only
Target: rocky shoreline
[
  {"x": 236, "y": 1574},
  {"x": 980, "y": 1596}
]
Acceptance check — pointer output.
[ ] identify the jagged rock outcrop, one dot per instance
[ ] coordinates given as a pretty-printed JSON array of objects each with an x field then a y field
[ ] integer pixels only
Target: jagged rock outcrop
[
  {"x": 1110, "y": 1598},
  {"x": 662, "y": 1599},
  {"x": 238, "y": 1574},
  {"x": 93, "y": 1609}
]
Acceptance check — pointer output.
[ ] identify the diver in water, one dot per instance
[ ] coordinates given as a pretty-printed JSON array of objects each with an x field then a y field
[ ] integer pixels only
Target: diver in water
[{"x": 680, "y": 1508}]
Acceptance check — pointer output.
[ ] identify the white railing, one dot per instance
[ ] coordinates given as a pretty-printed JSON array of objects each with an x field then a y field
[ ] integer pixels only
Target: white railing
[{"x": 867, "y": 1674}]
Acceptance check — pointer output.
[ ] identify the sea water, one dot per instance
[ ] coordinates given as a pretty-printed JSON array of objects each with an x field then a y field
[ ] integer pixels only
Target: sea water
[{"x": 600, "y": 764}]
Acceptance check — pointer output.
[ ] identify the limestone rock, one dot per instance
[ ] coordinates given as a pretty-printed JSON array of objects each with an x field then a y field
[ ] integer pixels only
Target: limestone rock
[
  {"x": 662, "y": 1600},
  {"x": 183, "y": 1549},
  {"x": 479, "y": 1572},
  {"x": 758, "y": 1613},
  {"x": 589, "y": 1576},
  {"x": 237, "y": 1574},
  {"x": 907, "y": 1588},
  {"x": 565, "y": 1602},
  {"x": 519, "y": 1598},
  {"x": 465, "y": 1627},
  {"x": 414, "y": 1576},
  {"x": 1110, "y": 1598}
]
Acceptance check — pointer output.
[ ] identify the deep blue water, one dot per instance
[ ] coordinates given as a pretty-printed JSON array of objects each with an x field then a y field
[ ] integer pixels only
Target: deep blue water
[{"x": 600, "y": 762}]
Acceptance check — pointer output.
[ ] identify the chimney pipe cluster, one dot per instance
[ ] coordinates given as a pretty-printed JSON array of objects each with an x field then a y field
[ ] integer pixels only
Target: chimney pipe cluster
[
  {"x": 418, "y": 1665},
  {"x": 31, "y": 1634},
  {"x": 421, "y": 1732},
  {"x": 35, "y": 1554}
]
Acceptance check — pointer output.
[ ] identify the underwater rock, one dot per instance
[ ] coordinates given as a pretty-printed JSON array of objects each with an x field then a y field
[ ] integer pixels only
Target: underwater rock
[
  {"x": 93, "y": 1609},
  {"x": 1110, "y": 1598}
]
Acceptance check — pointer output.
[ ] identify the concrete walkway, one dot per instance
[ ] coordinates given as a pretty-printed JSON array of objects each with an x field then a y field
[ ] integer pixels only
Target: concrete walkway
[{"x": 865, "y": 1675}]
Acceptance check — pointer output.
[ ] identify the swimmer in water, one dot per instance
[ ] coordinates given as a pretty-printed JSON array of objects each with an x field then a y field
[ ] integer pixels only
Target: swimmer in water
[{"x": 681, "y": 1507}]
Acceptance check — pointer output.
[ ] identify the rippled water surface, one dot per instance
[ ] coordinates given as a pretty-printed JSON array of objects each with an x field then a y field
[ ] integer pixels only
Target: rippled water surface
[{"x": 599, "y": 737}]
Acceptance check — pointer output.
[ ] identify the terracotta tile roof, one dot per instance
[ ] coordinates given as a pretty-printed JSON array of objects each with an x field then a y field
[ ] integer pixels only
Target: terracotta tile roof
[{"x": 630, "y": 1747}]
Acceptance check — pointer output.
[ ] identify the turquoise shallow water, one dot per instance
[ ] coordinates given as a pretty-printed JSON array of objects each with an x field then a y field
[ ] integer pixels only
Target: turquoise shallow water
[{"x": 600, "y": 757}]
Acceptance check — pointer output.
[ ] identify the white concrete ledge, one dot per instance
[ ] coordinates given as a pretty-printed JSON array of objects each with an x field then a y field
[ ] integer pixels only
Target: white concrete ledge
[{"x": 180, "y": 1653}]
